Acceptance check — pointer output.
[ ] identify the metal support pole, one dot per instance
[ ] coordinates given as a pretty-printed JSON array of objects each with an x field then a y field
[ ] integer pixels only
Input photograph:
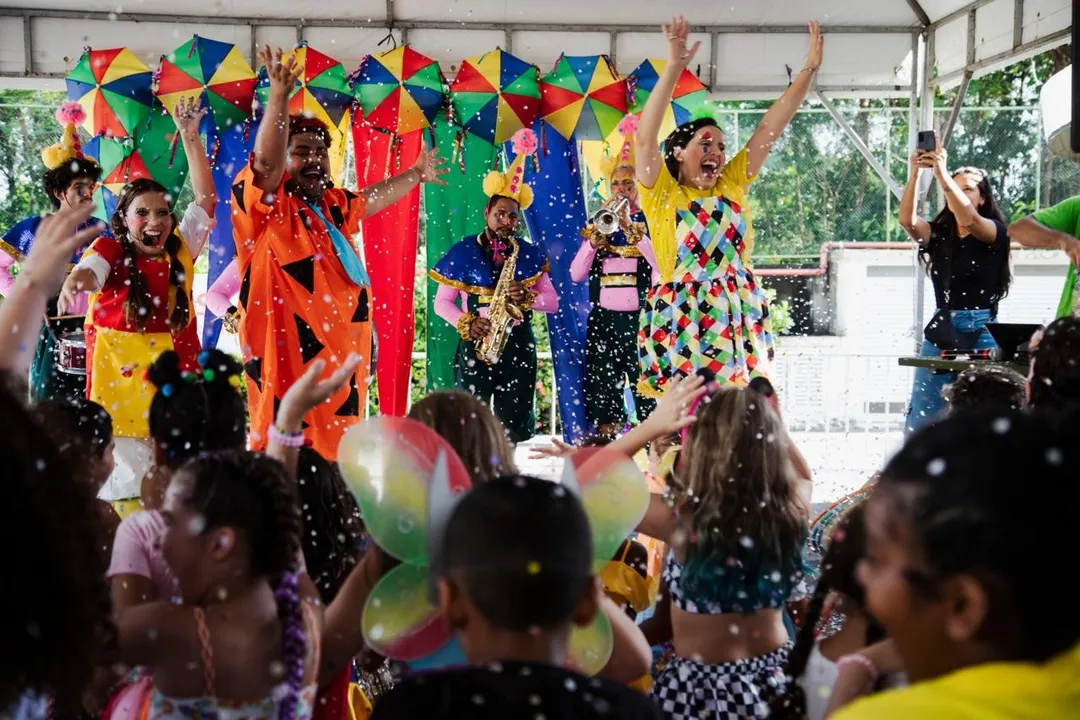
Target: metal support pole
[
  {"x": 857, "y": 141},
  {"x": 926, "y": 112},
  {"x": 28, "y": 46},
  {"x": 714, "y": 60},
  {"x": 919, "y": 12},
  {"x": 613, "y": 46},
  {"x": 1018, "y": 23},
  {"x": 508, "y": 38},
  {"x": 961, "y": 93}
]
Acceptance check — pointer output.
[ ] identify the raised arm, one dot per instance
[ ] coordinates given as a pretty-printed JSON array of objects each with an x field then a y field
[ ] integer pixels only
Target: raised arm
[
  {"x": 915, "y": 226},
  {"x": 427, "y": 168},
  {"x": 649, "y": 160},
  {"x": 1031, "y": 233},
  {"x": 187, "y": 114},
  {"x": 272, "y": 140},
  {"x": 41, "y": 276},
  {"x": 967, "y": 215},
  {"x": 778, "y": 116}
]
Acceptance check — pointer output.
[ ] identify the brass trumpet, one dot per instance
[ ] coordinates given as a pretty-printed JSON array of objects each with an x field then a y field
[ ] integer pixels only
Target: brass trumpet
[{"x": 607, "y": 220}]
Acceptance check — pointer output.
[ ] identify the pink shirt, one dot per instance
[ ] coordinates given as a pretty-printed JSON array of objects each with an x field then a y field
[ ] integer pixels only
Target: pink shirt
[
  {"x": 450, "y": 303},
  {"x": 7, "y": 281},
  {"x": 223, "y": 294},
  {"x": 614, "y": 298},
  {"x": 137, "y": 551}
]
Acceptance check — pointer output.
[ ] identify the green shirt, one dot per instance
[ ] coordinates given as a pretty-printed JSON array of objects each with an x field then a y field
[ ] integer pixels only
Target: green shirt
[{"x": 1065, "y": 217}]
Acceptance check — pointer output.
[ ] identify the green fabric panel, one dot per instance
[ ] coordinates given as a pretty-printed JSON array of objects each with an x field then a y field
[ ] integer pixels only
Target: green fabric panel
[{"x": 451, "y": 211}]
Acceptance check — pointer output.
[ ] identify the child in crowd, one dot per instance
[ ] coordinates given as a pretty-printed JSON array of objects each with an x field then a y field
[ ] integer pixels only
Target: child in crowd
[
  {"x": 244, "y": 644},
  {"x": 958, "y": 557},
  {"x": 1054, "y": 377},
  {"x": 83, "y": 431},
  {"x": 515, "y": 575},
  {"x": 835, "y": 624},
  {"x": 989, "y": 385}
]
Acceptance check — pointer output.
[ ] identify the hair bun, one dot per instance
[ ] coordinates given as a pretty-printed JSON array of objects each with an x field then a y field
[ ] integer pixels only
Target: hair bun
[
  {"x": 219, "y": 369},
  {"x": 165, "y": 370}
]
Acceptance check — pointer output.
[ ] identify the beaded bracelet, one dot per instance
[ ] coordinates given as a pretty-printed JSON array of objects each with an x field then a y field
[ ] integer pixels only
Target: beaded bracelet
[
  {"x": 464, "y": 326},
  {"x": 862, "y": 661},
  {"x": 286, "y": 439}
]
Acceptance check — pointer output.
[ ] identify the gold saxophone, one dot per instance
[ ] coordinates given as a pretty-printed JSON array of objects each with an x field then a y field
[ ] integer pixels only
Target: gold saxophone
[{"x": 502, "y": 314}]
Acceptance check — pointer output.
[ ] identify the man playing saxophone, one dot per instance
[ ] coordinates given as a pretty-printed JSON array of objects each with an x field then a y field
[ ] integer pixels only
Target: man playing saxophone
[{"x": 498, "y": 276}]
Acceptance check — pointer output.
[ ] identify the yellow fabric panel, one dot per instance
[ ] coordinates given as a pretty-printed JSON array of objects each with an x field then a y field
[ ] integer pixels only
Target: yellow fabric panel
[{"x": 119, "y": 361}]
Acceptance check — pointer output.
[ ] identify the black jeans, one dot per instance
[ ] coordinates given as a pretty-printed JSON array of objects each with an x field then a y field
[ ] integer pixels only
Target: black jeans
[
  {"x": 611, "y": 360},
  {"x": 508, "y": 386}
]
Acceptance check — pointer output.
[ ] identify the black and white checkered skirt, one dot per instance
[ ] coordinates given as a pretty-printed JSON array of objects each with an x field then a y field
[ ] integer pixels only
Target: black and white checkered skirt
[{"x": 690, "y": 690}]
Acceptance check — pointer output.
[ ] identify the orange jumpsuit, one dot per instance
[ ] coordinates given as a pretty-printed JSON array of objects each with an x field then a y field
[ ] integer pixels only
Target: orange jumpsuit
[{"x": 297, "y": 303}]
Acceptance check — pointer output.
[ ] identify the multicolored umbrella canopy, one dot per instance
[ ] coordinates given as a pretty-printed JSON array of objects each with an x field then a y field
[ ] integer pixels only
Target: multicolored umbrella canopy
[
  {"x": 216, "y": 72},
  {"x": 114, "y": 87},
  {"x": 147, "y": 155},
  {"x": 322, "y": 91},
  {"x": 583, "y": 96},
  {"x": 400, "y": 90},
  {"x": 688, "y": 96},
  {"x": 496, "y": 94}
]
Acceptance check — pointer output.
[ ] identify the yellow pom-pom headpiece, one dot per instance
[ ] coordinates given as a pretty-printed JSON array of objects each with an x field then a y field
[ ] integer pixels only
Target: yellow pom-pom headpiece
[
  {"x": 69, "y": 115},
  {"x": 626, "y": 155},
  {"x": 511, "y": 184}
]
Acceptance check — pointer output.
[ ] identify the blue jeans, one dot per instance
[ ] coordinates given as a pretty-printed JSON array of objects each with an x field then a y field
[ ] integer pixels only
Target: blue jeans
[{"x": 926, "y": 399}]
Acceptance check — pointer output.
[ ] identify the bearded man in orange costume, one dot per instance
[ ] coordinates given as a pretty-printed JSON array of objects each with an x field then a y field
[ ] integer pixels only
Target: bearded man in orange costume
[{"x": 304, "y": 292}]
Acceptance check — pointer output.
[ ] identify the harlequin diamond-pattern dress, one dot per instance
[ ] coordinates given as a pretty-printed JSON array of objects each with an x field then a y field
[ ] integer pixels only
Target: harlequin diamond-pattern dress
[{"x": 714, "y": 314}]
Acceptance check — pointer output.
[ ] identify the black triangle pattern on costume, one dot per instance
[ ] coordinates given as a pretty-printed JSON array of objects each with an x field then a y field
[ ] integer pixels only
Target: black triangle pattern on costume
[
  {"x": 238, "y": 195},
  {"x": 337, "y": 216},
  {"x": 253, "y": 368},
  {"x": 351, "y": 406},
  {"x": 362, "y": 305},
  {"x": 277, "y": 404},
  {"x": 304, "y": 219},
  {"x": 245, "y": 288},
  {"x": 309, "y": 343},
  {"x": 303, "y": 272}
]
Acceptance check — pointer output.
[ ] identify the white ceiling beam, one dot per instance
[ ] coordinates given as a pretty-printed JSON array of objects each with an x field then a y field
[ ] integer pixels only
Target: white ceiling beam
[
  {"x": 959, "y": 12},
  {"x": 1037, "y": 45},
  {"x": 919, "y": 12}
]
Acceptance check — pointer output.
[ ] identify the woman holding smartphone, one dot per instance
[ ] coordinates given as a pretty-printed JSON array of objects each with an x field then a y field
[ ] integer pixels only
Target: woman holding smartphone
[{"x": 965, "y": 251}]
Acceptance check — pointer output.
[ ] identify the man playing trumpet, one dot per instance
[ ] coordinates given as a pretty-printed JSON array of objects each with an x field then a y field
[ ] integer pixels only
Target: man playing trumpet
[
  {"x": 615, "y": 257},
  {"x": 496, "y": 357}
]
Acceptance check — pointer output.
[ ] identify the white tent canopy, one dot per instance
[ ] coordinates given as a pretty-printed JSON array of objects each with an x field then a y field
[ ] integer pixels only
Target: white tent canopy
[{"x": 746, "y": 44}]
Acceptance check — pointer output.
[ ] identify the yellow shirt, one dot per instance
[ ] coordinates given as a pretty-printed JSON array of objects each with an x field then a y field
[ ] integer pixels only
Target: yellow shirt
[
  {"x": 995, "y": 691},
  {"x": 663, "y": 200}
]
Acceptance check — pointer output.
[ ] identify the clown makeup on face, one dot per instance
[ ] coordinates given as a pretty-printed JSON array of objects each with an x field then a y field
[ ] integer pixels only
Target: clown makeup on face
[
  {"x": 701, "y": 161},
  {"x": 149, "y": 223},
  {"x": 503, "y": 217},
  {"x": 79, "y": 192},
  {"x": 624, "y": 184}
]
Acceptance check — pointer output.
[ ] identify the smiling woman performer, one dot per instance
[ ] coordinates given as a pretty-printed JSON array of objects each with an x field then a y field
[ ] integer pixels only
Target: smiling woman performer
[
  {"x": 707, "y": 311},
  {"x": 141, "y": 284}
]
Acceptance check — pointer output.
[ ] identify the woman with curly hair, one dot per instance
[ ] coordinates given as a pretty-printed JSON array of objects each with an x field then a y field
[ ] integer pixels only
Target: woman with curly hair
[
  {"x": 244, "y": 643},
  {"x": 57, "y": 627}
]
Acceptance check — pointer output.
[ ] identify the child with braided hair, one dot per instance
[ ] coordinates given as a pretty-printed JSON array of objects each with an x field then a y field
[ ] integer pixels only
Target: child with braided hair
[{"x": 233, "y": 540}]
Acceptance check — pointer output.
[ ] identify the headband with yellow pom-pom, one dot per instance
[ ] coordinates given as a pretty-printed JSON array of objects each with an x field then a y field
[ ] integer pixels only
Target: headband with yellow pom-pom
[
  {"x": 626, "y": 156},
  {"x": 511, "y": 184},
  {"x": 69, "y": 115}
]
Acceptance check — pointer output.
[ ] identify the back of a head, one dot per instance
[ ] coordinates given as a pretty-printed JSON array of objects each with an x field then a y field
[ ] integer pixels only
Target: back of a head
[
  {"x": 989, "y": 387},
  {"x": 992, "y": 495},
  {"x": 57, "y": 626},
  {"x": 254, "y": 494},
  {"x": 473, "y": 431},
  {"x": 332, "y": 522},
  {"x": 521, "y": 549},
  {"x": 196, "y": 412},
  {"x": 78, "y": 420},
  {"x": 1055, "y": 377}
]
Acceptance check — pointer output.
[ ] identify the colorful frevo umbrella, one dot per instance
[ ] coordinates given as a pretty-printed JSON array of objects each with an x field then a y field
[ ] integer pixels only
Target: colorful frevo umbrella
[
  {"x": 156, "y": 143},
  {"x": 584, "y": 97},
  {"x": 114, "y": 87},
  {"x": 217, "y": 73},
  {"x": 400, "y": 90},
  {"x": 688, "y": 96},
  {"x": 495, "y": 94},
  {"x": 322, "y": 91}
]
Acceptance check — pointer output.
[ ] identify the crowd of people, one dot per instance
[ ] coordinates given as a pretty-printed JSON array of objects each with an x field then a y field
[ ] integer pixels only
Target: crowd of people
[{"x": 236, "y": 583}]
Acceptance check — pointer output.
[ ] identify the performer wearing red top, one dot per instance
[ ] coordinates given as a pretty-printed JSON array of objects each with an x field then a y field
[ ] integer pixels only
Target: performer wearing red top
[{"x": 304, "y": 292}]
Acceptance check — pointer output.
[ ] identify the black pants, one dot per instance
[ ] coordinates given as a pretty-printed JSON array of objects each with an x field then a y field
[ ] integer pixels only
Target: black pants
[
  {"x": 508, "y": 386},
  {"x": 611, "y": 357}
]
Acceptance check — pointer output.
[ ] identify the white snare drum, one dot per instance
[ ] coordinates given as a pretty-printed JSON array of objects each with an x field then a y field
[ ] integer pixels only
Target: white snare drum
[{"x": 71, "y": 352}]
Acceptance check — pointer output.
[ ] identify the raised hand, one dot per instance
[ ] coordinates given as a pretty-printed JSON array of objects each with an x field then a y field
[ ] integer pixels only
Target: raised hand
[
  {"x": 430, "y": 167},
  {"x": 283, "y": 74},
  {"x": 188, "y": 115},
  {"x": 309, "y": 391},
  {"x": 672, "y": 413},
  {"x": 557, "y": 449},
  {"x": 817, "y": 47},
  {"x": 55, "y": 243},
  {"x": 676, "y": 33}
]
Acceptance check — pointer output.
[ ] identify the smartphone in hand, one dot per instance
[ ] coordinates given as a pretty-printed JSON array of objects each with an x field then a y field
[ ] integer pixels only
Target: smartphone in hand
[{"x": 927, "y": 141}]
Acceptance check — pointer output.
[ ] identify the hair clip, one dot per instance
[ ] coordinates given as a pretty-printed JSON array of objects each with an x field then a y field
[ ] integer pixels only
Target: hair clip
[
  {"x": 189, "y": 377},
  {"x": 204, "y": 357},
  {"x": 234, "y": 380},
  {"x": 167, "y": 389},
  {"x": 208, "y": 375}
]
